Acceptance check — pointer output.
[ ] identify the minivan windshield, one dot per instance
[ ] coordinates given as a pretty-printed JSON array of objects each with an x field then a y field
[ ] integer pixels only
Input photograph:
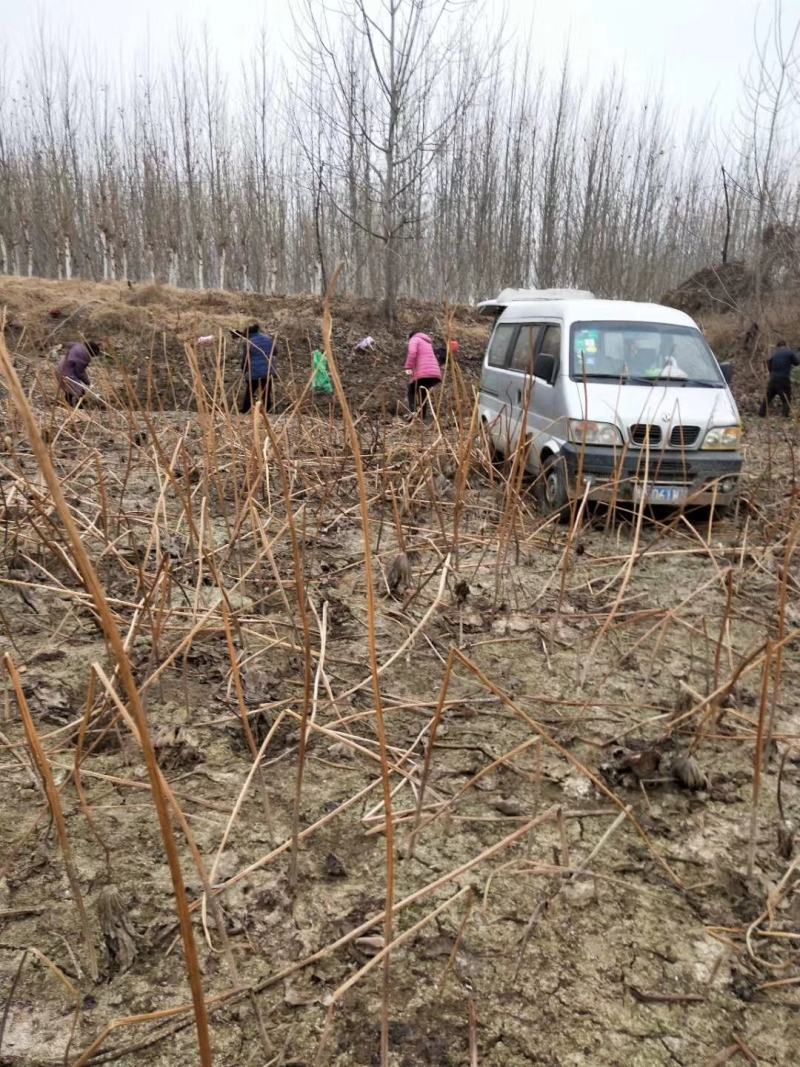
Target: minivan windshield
[{"x": 642, "y": 353}]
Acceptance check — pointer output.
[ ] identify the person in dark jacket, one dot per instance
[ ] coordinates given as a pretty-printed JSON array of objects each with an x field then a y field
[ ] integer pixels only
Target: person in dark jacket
[
  {"x": 258, "y": 366},
  {"x": 779, "y": 384},
  {"x": 441, "y": 352},
  {"x": 72, "y": 370}
]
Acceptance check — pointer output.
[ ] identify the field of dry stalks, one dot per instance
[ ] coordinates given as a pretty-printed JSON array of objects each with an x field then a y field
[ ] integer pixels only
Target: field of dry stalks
[{"x": 321, "y": 744}]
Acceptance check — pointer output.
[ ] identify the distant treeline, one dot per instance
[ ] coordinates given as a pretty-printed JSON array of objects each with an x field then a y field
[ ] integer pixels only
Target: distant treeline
[{"x": 431, "y": 160}]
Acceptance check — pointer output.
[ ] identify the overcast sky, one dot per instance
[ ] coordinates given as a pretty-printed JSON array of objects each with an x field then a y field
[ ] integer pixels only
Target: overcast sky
[{"x": 695, "y": 50}]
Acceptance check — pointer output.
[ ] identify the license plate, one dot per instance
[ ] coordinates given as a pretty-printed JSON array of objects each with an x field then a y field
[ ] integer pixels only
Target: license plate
[{"x": 661, "y": 494}]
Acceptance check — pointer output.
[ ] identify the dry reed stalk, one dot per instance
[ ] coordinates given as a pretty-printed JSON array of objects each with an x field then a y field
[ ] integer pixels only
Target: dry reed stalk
[
  {"x": 456, "y": 943},
  {"x": 131, "y": 783},
  {"x": 92, "y": 583},
  {"x": 446, "y": 807},
  {"x": 612, "y": 829},
  {"x": 237, "y": 807},
  {"x": 267, "y": 546},
  {"x": 626, "y": 576},
  {"x": 300, "y": 595},
  {"x": 76, "y": 771},
  {"x": 725, "y": 625},
  {"x": 204, "y": 401},
  {"x": 576, "y": 763},
  {"x": 10, "y": 997},
  {"x": 73, "y": 993},
  {"x": 327, "y": 324},
  {"x": 263, "y": 861},
  {"x": 791, "y": 545},
  {"x": 150, "y": 1016},
  {"x": 411, "y": 899},
  {"x": 437, "y": 718},
  {"x": 774, "y": 899},
  {"x": 706, "y": 548},
  {"x": 184, "y": 643},
  {"x": 512, "y": 505},
  {"x": 353, "y": 744},
  {"x": 462, "y": 475},
  {"x": 56, "y": 811},
  {"x": 473, "y": 1032},
  {"x": 166, "y": 790},
  {"x": 747, "y": 664},
  {"x": 14, "y": 747},
  {"x": 243, "y": 714},
  {"x": 758, "y": 759},
  {"x": 562, "y": 835},
  {"x": 566, "y": 556},
  {"x": 319, "y": 674},
  {"x": 102, "y": 489},
  {"x": 379, "y": 957},
  {"x": 408, "y": 640},
  {"x": 662, "y": 623}
]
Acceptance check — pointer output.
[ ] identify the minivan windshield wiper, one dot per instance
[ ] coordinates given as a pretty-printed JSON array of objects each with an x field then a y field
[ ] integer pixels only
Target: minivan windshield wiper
[
  {"x": 603, "y": 378},
  {"x": 671, "y": 379},
  {"x": 650, "y": 379},
  {"x": 703, "y": 383},
  {"x": 674, "y": 380}
]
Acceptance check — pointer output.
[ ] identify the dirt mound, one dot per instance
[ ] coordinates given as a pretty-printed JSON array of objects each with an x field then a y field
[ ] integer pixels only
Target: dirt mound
[
  {"x": 720, "y": 288},
  {"x": 133, "y": 321}
]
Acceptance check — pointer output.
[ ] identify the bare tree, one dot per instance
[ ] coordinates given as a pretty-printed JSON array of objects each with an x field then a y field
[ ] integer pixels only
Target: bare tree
[
  {"x": 406, "y": 48},
  {"x": 770, "y": 114}
]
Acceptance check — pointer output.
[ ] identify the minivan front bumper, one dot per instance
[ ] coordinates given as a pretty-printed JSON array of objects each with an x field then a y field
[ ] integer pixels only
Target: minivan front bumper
[{"x": 617, "y": 474}]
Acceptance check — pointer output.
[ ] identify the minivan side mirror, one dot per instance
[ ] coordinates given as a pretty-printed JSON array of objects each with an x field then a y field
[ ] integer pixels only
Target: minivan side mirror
[
  {"x": 544, "y": 367},
  {"x": 727, "y": 372}
]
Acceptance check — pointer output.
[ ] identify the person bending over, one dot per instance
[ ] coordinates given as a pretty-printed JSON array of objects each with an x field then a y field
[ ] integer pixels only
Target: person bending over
[
  {"x": 423, "y": 369},
  {"x": 72, "y": 370}
]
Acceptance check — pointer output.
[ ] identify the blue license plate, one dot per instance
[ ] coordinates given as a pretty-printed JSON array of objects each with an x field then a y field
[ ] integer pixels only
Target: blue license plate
[{"x": 662, "y": 494}]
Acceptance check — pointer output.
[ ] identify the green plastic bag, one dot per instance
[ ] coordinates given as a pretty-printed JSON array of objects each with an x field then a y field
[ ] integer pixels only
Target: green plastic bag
[{"x": 322, "y": 380}]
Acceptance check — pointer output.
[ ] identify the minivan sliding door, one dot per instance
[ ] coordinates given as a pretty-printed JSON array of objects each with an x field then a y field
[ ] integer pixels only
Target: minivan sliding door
[
  {"x": 533, "y": 394},
  {"x": 495, "y": 384}
]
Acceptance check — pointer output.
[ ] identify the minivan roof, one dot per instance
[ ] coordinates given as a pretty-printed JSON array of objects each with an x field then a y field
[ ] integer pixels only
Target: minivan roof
[
  {"x": 582, "y": 310},
  {"x": 497, "y": 304}
]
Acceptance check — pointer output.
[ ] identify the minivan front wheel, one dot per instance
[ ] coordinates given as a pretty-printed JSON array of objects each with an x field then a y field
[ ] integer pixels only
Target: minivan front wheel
[{"x": 553, "y": 486}]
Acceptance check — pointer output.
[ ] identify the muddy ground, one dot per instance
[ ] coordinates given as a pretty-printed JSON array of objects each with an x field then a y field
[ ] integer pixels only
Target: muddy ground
[{"x": 597, "y": 650}]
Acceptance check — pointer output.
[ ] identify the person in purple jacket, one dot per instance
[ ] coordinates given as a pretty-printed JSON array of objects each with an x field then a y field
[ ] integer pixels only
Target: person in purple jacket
[
  {"x": 423, "y": 369},
  {"x": 72, "y": 370}
]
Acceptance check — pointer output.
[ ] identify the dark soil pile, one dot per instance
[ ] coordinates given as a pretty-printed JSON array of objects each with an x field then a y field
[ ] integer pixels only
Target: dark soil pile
[
  {"x": 132, "y": 322},
  {"x": 720, "y": 288}
]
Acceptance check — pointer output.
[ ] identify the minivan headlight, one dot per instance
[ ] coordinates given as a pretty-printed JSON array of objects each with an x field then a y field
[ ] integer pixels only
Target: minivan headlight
[
  {"x": 594, "y": 433},
  {"x": 723, "y": 438}
]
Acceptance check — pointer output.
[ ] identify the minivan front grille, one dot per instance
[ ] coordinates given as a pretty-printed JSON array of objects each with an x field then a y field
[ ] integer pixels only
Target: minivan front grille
[
  {"x": 648, "y": 433},
  {"x": 684, "y": 436},
  {"x": 664, "y": 469},
  {"x": 645, "y": 433}
]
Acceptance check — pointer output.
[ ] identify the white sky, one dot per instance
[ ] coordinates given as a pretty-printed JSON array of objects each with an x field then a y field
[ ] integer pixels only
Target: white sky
[{"x": 695, "y": 50}]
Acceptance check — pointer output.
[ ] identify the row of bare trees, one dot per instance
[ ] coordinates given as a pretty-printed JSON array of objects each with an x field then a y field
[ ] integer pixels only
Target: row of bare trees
[{"x": 400, "y": 139}]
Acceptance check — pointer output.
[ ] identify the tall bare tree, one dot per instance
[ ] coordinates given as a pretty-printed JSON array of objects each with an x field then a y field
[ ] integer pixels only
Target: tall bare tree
[{"x": 408, "y": 46}]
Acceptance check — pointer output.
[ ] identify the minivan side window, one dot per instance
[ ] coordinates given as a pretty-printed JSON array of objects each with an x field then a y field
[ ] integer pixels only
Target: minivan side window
[
  {"x": 498, "y": 346},
  {"x": 550, "y": 342},
  {"x": 525, "y": 348}
]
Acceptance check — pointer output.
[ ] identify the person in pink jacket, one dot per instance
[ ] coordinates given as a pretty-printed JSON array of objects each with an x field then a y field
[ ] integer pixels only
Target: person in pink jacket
[{"x": 423, "y": 368}]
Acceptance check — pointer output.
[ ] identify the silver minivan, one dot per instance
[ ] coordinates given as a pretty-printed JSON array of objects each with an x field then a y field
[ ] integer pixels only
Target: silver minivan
[{"x": 618, "y": 400}]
